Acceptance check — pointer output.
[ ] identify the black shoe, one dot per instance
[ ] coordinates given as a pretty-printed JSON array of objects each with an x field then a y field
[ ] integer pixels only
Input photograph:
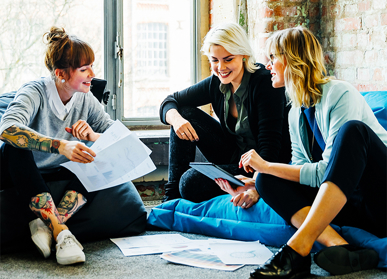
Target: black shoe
[
  {"x": 344, "y": 259},
  {"x": 286, "y": 263}
]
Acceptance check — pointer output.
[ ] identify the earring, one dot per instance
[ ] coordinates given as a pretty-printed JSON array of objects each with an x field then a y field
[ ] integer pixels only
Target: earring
[
  {"x": 63, "y": 80},
  {"x": 244, "y": 59}
]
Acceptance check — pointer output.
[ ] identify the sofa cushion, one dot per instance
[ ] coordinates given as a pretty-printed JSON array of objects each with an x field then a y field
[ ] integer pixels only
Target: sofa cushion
[{"x": 377, "y": 100}]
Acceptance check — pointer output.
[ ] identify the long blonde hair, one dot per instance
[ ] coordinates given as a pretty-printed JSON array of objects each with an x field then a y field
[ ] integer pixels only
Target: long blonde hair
[
  {"x": 234, "y": 39},
  {"x": 304, "y": 70}
]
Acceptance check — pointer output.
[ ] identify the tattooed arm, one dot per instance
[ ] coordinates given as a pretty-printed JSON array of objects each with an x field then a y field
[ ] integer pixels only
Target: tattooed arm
[{"x": 24, "y": 137}]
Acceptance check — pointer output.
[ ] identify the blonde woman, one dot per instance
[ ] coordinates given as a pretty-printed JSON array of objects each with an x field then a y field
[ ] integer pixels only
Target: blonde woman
[
  {"x": 338, "y": 170},
  {"x": 252, "y": 115}
]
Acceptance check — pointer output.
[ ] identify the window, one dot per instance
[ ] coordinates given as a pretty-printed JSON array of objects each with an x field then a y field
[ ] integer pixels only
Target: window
[
  {"x": 151, "y": 49},
  {"x": 144, "y": 48},
  {"x": 157, "y": 61},
  {"x": 23, "y": 23}
]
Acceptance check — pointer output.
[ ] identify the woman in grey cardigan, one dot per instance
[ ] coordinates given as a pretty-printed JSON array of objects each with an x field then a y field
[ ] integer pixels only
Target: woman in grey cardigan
[{"x": 42, "y": 128}]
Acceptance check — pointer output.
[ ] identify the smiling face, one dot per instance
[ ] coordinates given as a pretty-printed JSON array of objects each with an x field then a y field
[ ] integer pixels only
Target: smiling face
[
  {"x": 277, "y": 70},
  {"x": 80, "y": 78},
  {"x": 226, "y": 66}
]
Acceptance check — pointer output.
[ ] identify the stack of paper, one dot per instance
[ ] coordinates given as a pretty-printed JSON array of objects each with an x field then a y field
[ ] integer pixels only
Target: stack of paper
[{"x": 121, "y": 157}]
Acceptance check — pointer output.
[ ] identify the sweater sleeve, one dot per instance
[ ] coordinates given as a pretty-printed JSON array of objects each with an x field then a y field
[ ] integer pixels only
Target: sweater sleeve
[
  {"x": 270, "y": 104},
  {"x": 98, "y": 119},
  {"x": 23, "y": 108},
  {"x": 193, "y": 96}
]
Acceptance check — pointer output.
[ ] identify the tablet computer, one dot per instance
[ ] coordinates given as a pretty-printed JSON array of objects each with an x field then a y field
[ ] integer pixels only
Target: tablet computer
[{"x": 213, "y": 171}]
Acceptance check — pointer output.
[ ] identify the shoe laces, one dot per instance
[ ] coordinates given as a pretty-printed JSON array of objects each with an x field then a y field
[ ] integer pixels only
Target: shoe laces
[{"x": 67, "y": 241}]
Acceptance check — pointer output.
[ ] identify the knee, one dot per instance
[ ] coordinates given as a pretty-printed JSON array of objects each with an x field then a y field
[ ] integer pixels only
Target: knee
[
  {"x": 187, "y": 184},
  {"x": 10, "y": 152},
  {"x": 188, "y": 112},
  {"x": 264, "y": 184},
  {"x": 353, "y": 127}
]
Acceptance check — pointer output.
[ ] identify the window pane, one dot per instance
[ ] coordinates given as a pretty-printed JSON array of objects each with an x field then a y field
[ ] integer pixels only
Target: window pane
[
  {"x": 165, "y": 65},
  {"x": 23, "y": 23}
]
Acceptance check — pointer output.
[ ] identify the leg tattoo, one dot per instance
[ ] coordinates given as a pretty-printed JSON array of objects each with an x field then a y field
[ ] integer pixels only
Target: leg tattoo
[
  {"x": 43, "y": 206},
  {"x": 71, "y": 202}
]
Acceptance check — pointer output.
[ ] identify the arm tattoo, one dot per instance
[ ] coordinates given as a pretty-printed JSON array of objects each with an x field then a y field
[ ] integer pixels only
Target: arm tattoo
[{"x": 23, "y": 137}]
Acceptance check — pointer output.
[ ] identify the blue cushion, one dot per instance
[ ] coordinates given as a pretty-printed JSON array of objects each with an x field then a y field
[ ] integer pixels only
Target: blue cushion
[
  {"x": 218, "y": 217},
  {"x": 377, "y": 100}
]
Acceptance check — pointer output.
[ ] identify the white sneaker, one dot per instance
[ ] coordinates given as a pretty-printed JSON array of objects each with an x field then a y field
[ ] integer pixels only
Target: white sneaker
[
  {"x": 68, "y": 249},
  {"x": 42, "y": 237}
]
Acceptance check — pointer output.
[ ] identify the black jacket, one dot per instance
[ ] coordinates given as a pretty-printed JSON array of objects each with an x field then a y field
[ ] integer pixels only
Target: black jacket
[{"x": 267, "y": 111}]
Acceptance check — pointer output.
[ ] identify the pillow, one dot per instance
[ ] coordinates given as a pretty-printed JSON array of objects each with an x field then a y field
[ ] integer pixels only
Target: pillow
[
  {"x": 377, "y": 100},
  {"x": 218, "y": 217}
]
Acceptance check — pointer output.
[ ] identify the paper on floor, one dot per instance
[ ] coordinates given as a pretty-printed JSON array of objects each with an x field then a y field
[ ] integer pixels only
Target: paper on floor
[{"x": 253, "y": 253}]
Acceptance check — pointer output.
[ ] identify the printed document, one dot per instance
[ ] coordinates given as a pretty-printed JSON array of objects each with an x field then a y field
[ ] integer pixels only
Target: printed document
[{"x": 121, "y": 157}]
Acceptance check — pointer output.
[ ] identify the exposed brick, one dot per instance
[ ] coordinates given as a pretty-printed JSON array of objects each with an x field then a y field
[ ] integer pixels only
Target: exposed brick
[
  {"x": 266, "y": 12},
  {"x": 291, "y": 11},
  {"x": 383, "y": 19},
  {"x": 350, "y": 58},
  {"x": 348, "y": 74},
  {"x": 371, "y": 57},
  {"x": 279, "y": 11},
  {"x": 378, "y": 76},
  {"x": 350, "y": 10},
  {"x": 314, "y": 27},
  {"x": 370, "y": 21},
  {"x": 314, "y": 12},
  {"x": 364, "y": 6},
  {"x": 363, "y": 40},
  {"x": 352, "y": 23},
  {"x": 366, "y": 87},
  {"x": 379, "y": 4},
  {"x": 363, "y": 74},
  {"x": 383, "y": 55},
  {"x": 334, "y": 10},
  {"x": 378, "y": 39},
  {"x": 324, "y": 11},
  {"x": 329, "y": 57},
  {"x": 350, "y": 40}
]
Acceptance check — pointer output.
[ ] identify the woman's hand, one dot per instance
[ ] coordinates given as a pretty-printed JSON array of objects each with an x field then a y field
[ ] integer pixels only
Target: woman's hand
[
  {"x": 76, "y": 151},
  {"x": 82, "y": 131},
  {"x": 251, "y": 161},
  {"x": 243, "y": 196},
  {"x": 246, "y": 199},
  {"x": 181, "y": 126}
]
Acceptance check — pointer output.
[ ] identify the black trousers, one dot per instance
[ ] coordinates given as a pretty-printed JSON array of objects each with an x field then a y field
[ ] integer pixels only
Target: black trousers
[
  {"x": 357, "y": 165},
  {"x": 212, "y": 143},
  {"x": 18, "y": 170}
]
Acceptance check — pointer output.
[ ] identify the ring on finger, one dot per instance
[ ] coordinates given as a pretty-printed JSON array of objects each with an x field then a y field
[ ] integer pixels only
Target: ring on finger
[
  {"x": 182, "y": 134},
  {"x": 244, "y": 204}
]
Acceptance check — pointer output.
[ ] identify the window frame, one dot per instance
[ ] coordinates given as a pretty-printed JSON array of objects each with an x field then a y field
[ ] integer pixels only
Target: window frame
[{"x": 113, "y": 62}]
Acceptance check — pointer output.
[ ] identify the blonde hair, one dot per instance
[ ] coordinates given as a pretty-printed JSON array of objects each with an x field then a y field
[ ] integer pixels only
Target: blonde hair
[
  {"x": 234, "y": 39},
  {"x": 304, "y": 70},
  {"x": 65, "y": 52}
]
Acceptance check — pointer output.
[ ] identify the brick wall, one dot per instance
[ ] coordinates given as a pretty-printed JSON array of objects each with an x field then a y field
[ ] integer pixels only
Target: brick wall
[
  {"x": 354, "y": 37},
  {"x": 353, "y": 33}
]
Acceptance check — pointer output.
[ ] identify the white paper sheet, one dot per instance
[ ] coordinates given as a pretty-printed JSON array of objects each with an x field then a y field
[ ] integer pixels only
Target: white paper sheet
[
  {"x": 152, "y": 244},
  {"x": 121, "y": 157},
  {"x": 197, "y": 258},
  {"x": 250, "y": 253}
]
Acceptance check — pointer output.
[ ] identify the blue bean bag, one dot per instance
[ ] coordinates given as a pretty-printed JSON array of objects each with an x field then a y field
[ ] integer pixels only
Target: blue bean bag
[{"x": 218, "y": 217}]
